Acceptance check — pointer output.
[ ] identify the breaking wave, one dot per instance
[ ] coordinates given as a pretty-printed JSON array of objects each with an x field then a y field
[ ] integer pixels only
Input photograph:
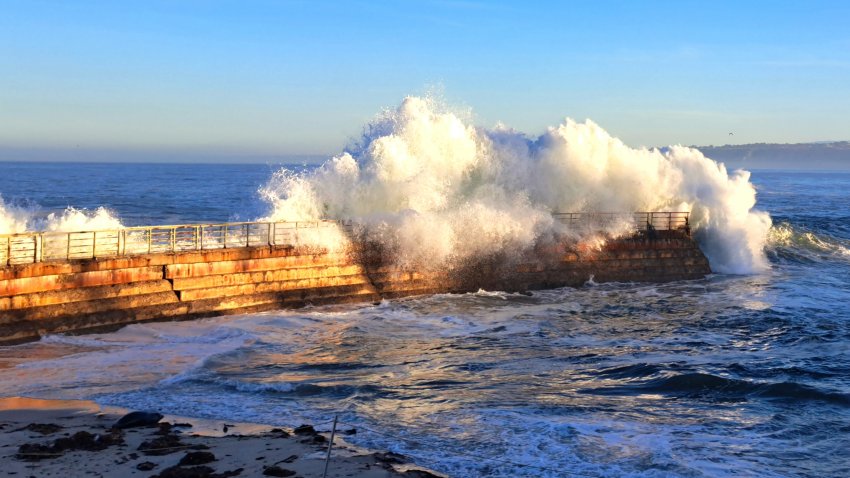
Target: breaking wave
[
  {"x": 441, "y": 189},
  {"x": 710, "y": 386},
  {"x": 17, "y": 218},
  {"x": 801, "y": 244}
]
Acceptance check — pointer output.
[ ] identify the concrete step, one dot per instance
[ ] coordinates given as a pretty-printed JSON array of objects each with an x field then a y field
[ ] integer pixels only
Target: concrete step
[
  {"x": 67, "y": 296},
  {"x": 87, "y": 307},
  {"x": 262, "y": 287},
  {"x": 294, "y": 273}
]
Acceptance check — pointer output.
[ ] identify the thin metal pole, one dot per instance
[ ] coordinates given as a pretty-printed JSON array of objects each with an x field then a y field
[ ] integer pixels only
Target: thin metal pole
[{"x": 330, "y": 445}]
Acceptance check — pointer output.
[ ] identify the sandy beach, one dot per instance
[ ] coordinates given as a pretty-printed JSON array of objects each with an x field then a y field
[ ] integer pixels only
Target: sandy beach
[{"x": 42, "y": 438}]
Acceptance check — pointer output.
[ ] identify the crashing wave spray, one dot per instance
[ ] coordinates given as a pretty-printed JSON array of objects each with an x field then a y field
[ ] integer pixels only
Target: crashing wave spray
[
  {"x": 446, "y": 190},
  {"x": 16, "y": 218}
]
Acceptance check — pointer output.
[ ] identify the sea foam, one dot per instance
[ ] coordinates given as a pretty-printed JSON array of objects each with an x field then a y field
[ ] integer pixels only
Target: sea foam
[
  {"x": 440, "y": 189},
  {"x": 17, "y": 218}
]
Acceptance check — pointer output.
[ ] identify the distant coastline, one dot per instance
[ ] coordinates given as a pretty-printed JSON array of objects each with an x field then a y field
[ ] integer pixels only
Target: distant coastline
[
  {"x": 822, "y": 155},
  {"x": 832, "y": 155}
]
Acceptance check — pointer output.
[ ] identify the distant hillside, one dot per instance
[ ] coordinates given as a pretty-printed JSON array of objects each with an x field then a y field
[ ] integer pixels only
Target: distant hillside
[{"x": 820, "y": 155}]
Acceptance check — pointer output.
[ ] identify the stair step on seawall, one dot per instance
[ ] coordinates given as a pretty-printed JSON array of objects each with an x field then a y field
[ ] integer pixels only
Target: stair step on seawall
[
  {"x": 67, "y": 296},
  {"x": 87, "y": 307},
  {"x": 201, "y": 269},
  {"x": 105, "y": 321},
  {"x": 263, "y": 287},
  {"x": 225, "y": 280},
  {"x": 31, "y": 285},
  {"x": 283, "y": 299}
]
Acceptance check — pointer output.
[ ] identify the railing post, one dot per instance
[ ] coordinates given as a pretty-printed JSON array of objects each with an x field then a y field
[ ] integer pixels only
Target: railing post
[
  {"x": 271, "y": 233},
  {"x": 247, "y": 235},
  {"x": 202, "y": 237},
  {"x": 94, "y": 244},
  {"x": 225, "y": 235},
  {"x": 150, "y": 239},
  {"x": 197, "y": 229},
  {"x": 68, "y": 251}
]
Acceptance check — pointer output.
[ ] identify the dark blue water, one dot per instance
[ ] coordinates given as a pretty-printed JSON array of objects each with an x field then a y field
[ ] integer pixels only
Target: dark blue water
[
  {"x": 141, "y": 194},
  {"x": 727, "y": 376}
]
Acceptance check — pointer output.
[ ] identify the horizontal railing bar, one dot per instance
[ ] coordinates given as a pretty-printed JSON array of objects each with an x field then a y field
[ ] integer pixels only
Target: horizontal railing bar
[{"x": 30, "y": 247}]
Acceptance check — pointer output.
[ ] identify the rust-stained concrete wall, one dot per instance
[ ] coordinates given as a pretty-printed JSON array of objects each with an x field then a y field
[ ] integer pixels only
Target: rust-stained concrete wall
[{"x": 36, "y": 299}]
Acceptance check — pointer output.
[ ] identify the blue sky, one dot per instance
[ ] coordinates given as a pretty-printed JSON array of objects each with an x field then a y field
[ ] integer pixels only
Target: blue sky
[{"x": 243, "y": 78}]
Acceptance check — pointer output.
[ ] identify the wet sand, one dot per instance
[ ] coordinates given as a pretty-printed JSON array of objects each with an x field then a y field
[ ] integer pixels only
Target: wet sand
[{"x": 43, "y": 438}]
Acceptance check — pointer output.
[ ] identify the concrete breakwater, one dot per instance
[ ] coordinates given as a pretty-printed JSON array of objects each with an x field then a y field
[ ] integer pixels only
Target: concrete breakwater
[{"x": 101, "y": 293}]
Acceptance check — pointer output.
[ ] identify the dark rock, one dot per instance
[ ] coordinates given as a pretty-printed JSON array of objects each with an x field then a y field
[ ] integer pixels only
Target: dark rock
[
  {"x": 193, "y": 472},
  {"x": 164, "y": 428},
  {"x": 182, "y": 425},
  {"x": 35, "y": 452},
  {"x": 289, "y": 459},
  {"x": 146, "y": 466},
  {"x": 305, "y": 430},
  {"x": 277, "y": 471},
  {"x": 390, "y": 457},
  {"x": 350, "y": 431},
  {"x": 419, "y": 474},
  {"x": 196, "y": 472},
  {"x": 280, "y": 432},
  {"x": 84, "y": 440},
  {"x": 196, "y": 458},
  {"x": 42, "y": 428},
  {"x": 315, "y": 439},
  {"x": 163, "y": 445},
  {"x": 81, "y": 440},
  {"x": 138, "y": 419}
]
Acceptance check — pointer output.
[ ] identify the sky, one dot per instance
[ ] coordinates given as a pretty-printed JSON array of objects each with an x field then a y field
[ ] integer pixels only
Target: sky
[{"x": 259, "y": 79}]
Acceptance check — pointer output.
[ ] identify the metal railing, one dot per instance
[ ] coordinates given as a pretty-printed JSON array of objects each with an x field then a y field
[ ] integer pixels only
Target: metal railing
[
  {"x": 31, "y": 247},
  {"x": 641, "y": 221}
]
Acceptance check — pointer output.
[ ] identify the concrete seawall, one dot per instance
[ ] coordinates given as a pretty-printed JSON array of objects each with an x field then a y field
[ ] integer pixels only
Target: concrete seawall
[{"x": 98, "y": 294}]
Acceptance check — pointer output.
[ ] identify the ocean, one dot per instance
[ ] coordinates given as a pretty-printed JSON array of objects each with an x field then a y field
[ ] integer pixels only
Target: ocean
[{"x": 732, "y": 375}]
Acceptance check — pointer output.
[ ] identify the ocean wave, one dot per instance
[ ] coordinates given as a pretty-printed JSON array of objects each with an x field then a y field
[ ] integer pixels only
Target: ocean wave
[
  {"x": 708, "y": 386},
  {"x": 797, "y": 243},
  {"x": 436, "y": 191},
  {"x": 23, "y": 217}
]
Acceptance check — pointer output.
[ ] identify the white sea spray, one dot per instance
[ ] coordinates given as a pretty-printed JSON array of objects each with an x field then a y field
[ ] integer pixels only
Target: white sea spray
[
  {"x": 441, "y": 189},
  {"x": 17, "y": 218}
]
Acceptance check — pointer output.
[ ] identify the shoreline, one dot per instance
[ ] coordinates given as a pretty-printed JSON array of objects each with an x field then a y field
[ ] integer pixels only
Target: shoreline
[{"x": 52, "y": 437}]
